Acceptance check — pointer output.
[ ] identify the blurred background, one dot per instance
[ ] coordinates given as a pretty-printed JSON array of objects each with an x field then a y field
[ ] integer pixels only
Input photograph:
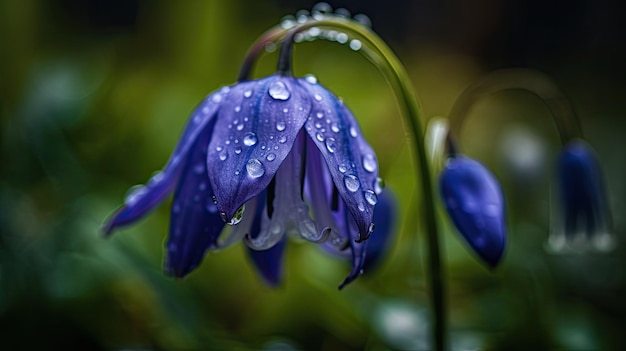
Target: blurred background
[{"x": 95, "y": 94}]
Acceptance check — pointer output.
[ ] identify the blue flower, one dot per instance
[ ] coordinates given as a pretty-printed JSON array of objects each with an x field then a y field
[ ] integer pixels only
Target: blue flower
[
  {"x": 474, "y": 201},
  {"x": 583, "y": 197},
  {"x": 246, "y": 157}
]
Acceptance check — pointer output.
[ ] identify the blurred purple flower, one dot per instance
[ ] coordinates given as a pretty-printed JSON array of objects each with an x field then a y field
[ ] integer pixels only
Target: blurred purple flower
[
  {"x": 583, "y": 198},
  {"x": 245, "y": 158},
  {"x": 473, "y": 199}
]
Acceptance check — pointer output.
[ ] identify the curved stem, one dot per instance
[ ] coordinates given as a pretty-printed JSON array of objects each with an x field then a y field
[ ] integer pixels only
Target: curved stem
[
  {"x": 538, "y": 84},
  {"x": 377, "y": 51}
]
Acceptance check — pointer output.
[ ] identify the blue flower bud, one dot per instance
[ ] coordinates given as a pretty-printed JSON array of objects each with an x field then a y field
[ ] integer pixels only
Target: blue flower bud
[{"x": 474, "y": 201}]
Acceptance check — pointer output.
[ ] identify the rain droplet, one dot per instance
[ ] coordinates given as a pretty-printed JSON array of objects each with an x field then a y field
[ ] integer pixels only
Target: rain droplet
[
  {"x": 279, "y": 91},
  {"x": 225, "y": 90},
  {"x": 247, "y": 93},
  {"x": 379, "y": 185},
  {"x": 351, "y": 182},
  {"x": 369, "y": 163},
  {"x": 287, "y": 22},
  {"x": 270, "y": 157},
  {"x": 282, "y": 139},
  {"x": 318, "y": 97},
  {"x": 334, "y": 127},
  {"x": 134, "y": 194},
  {"x": 370, "y": 197},
  {"x": 311, "y": 79},
  {"x": 363, "y": 19},
  {"x": 250, "y": 139},
  {"x": 255, "y": 168},
  {"x": 238, "y": 215},
  {"x": 371, "y": 228},
  {"x": 156, "y": 178},
  {"x": 320, "y": 114},
  {"x": 361, "y": 206},
  {"x": 238, "y": 149},
  {"x": 240, "y": 126},
  {"x": 318, "y": 125},
  {"x": 331, "y": 146},
  {"x": 217, "y": 98},
  {"x": 353, "y": 132},
  {"x": 342, "y": 12},
  {"x": 342, "y": 169},
  {"x": 238, "y": 108},
  {"x": 280, "y": 126},
  {"x": 223, "y": 156},
  {"x": 219, "y": 148},
  {"x": 342, "y": 38},
  {"x": 285, "y": 110},
  {"x": 355, "y": 44},
  {"x": 214, "y": 199},
  {"x": 319, "y": 137}
]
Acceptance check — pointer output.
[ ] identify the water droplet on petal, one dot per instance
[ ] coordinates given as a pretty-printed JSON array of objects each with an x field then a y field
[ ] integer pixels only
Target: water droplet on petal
[
  {"x": 342, "y": 169},
  {"x": 311, "y": 79},
  {"x": 342, "y": 38},
  {"x": 351, "y": 182},
  {"x": 282, "y": 139},
  {"x": 279, "y": 91},
  {"x": 237, "y": 108},
  {"x": 217, "y": 98},
  {"x": 238, "y": 149},
  {"x": 353, "y": 132},
  {"x": 270, "y": 157},
  {"x": 223, "y": 156},
  {"x": 369, "y": 163},
  {"x": 238, "y": 215},
  {"x": 134, "y": 194},
  {"x": 285, "y": 110},
  {"x": 379, "y": 185},
  {"x": 255, "y": 168},
  {"x": 318, "y": 97},
  {"x": 334, "y": 127},
  {"x": 361, "y": 206},
  {"x": 240, "y": 126},
  {"x": 280, "y": 126},
  {"x": 218, "y": 148},
  {"x": 320, "y": 114},
  {"x": 319, "y": 137},
  {"x": 331, "y": 146},
  {"x": 247, "y": 93},
  {"x": 370, "y": 197},
  {"x": 156, "y": 178},
  {"x": 250, "y": 139}
]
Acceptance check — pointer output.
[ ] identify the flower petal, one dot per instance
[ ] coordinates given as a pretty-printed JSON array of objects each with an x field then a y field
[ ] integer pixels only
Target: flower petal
[
  {"x": 145, "y": 198},
  {"x": 255, "y": 131},
  {"x": 269, "y": 262},
  {"x": 195, "y": 223},
  {"x": 351, "y": 161},
  {"x": 384, "y": 218},
  {"x": 473, "y": 200}
]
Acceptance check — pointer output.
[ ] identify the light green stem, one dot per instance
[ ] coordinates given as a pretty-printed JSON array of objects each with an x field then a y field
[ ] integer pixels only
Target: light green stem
[
  {"x": 377, "y": 51},
  {"x": 534, "y": 82}
]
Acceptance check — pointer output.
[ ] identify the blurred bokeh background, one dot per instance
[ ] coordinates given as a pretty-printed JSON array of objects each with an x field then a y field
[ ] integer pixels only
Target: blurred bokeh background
[{"x": 95, "y": 93}]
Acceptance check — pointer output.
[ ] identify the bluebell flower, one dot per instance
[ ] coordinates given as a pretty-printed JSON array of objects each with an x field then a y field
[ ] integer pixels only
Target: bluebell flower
[
  {"x": 247, "y": 155},
  {"x": 473, "y": 199},
  {"x": 585, "y": 213}
]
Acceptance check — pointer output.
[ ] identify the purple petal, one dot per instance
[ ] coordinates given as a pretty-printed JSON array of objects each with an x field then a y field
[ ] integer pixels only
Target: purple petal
[
  {"x": 269, "y": 262},
  {"x": 147, "y": 197},
  {"x": 195, "y": 224},
  {"x": 255, "y": 131},
  {"x": 358, "y": 248},
  {"x": 351, "y": 161},
  {"x": 473, "y": 199},
  {"x": 384, "y": 218}
]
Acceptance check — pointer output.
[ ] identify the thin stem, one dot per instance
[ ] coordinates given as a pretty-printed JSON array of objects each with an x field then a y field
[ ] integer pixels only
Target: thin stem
[
  {"x": 377, "y": 51},
  {"x": 538, "y": 84}
]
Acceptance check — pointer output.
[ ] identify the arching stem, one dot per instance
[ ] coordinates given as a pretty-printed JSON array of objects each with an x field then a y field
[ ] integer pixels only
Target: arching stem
[{"x": 377, "y": 51}]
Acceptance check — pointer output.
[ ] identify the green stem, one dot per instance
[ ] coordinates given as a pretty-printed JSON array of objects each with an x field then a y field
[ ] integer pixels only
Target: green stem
[
  {"x": 377, "y": 51},
  {"x": 538, "y": 84}
]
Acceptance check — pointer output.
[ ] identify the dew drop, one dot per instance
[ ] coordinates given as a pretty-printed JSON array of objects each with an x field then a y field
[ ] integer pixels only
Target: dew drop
[
  {"x": 250, "y": 139},
  {"x": 270, "y": 157},
  {"x": 331, "y": 146},
  {"x": 371, "y": 228},
  {"x": 156, "y": 178},
  {"x": 361, "y": 206},
  {"x": 320, "y": 114},
  {"x": 285, "y": 110},
  {"x": 280, "y": 126},
  {"x": 353, "y": 132},
  {"x": 334, "y": 127},
  {"x": 342, "y": 169},
  {"x": 134, "y": 194},
  {"x": 279, "y": 91},
  {"x": 255, "y": 168},
  {"x": 238, "y": 215},
  {"x": 370, "y": 197},
  {"x": 369, "y": 163},
  {"x": 318, "y": 125},
  {"x": 238, "y": 149},
  {"x": 247, "y": 93},
  {"x": 240, "y": 126},
  {"x": 318, "y": 97},
  {"x": 311, "y": 79},
  {"x": 351, "y": 182},
  {"x": 363, "y": 19},
  {"x": 342, "y": 38},
  {"x": 217, "y": 98},
  {"x": 319, "y": 137},
  {"x": 219, "y": 148},
  {"x": 379, "y": 185},
  {"x": 355, "y": 44},
  {"x": 282, "y": 139},
  {"x": 237, "y": 108},
  {"x": 223, "y": 156}
]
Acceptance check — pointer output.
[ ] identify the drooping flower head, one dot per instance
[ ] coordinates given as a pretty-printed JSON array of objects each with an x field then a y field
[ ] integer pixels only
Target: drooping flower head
[
  {"x": 583, "y": 198},
  {"x": 473, "y": 199},
  {"x": 245, "y": 158}
]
